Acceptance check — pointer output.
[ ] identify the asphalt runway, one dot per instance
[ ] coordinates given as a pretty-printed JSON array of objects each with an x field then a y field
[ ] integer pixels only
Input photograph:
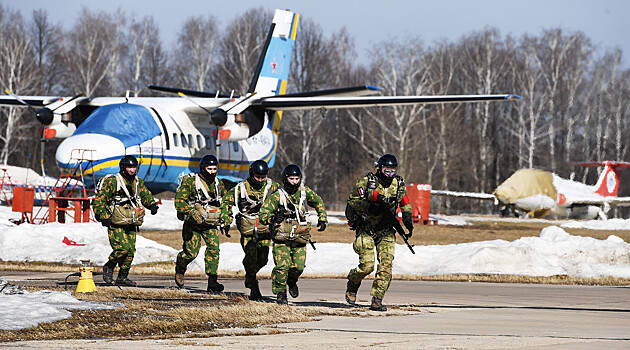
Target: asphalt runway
[{"x": 422, "y": 315}]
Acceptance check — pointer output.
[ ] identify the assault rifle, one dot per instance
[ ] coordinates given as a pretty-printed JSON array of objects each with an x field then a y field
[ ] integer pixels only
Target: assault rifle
[{"x": 391, "y": 220}]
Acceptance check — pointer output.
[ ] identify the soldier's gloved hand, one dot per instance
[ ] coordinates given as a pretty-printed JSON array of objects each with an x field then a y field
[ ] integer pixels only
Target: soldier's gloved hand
[
  {"x": 382, "y": 199},
  {"x": 278, "y": 217},
  {"x": 196, "y": 215},
  {"x": 321, "y": 225},
  {"x": 154, "y": 208},
  {"x": 374, "y": 209},
  {"x": 409, "y": 226},
  {"x": 106, "y": 222}
]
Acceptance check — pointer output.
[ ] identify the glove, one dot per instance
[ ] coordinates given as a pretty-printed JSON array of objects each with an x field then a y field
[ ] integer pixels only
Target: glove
[
  {"x": 382, "y": 199},
  {"x": 106, "y": 222},
  {"x": 278, "y": 217},
  {"x": 197, "y": 217},
  {"x": 154, "y": 208},
  {"x": 409, "y": 225},
  {"x": 374, "y": 209},
  {"x": 322, "y": 225}
]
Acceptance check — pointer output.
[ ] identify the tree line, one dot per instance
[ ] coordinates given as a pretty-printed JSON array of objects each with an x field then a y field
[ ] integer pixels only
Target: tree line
[{"x": 574, "y": 104}]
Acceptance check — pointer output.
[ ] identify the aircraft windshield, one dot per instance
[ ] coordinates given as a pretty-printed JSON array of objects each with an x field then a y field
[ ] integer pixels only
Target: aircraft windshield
[{"x": 131, "y": 124}]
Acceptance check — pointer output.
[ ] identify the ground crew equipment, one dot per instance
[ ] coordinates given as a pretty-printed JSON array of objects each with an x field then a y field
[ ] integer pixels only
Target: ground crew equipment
[{"x": 86, "y": 283}]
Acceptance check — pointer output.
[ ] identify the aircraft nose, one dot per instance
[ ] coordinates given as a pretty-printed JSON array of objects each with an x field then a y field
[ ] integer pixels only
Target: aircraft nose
[{"x": 94, "y": 147}]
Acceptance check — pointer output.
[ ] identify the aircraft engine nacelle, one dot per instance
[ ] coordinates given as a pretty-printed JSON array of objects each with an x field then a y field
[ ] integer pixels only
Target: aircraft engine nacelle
[
  {"x": 59, "y": 129},
  {"x": 237, "y": 127}
]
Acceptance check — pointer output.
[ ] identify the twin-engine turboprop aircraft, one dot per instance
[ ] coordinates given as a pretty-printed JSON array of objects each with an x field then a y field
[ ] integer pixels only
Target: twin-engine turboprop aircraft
[
  {"x": 169, "y": 135},
  {"x": 538, "y": 193}
]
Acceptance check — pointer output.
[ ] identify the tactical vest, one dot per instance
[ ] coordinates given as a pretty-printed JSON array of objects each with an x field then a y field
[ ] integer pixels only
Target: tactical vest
[
  {"x": 209, "y": 207},
  {"x": 247, "y": 215},
  {"x": 295, "y": 227},
  {"x": 124, "y": 210},
  {"x": 371, "y": 222}
]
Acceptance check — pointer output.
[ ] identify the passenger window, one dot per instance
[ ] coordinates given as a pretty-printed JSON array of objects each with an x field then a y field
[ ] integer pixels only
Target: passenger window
[
  {"x": 175, "y": 140},
  {"x": 199, "y": 144},
  {"x": 235, "y": 146},
  {"x": 190, "y": 141},
  {"x": 183, "y": 140},
  {"x": 208, "y": 145}
]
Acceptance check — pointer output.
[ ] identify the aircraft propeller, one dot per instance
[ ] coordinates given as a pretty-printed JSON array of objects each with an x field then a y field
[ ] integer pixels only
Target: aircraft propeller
[{"x": 45, "y": 116}]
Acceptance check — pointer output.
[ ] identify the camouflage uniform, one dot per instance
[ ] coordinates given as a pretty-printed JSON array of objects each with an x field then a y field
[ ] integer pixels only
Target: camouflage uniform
[
  {"x": 256, "y": 246},
  {"x": 192, "y": 233},
  {"x": 289, "y": 257},
  {"x": 371, "y": 233},
  {"x": 121, "y": 238}
]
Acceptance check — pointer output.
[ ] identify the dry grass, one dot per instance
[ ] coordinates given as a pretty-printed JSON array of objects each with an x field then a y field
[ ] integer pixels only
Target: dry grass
[{"x": 163, "y": 313}]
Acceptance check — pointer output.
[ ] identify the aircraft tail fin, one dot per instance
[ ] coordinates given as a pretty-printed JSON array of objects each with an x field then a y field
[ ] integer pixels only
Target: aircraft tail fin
[
  {"x": 608, "y": 182},
  {"x": 272, "y": 70}
]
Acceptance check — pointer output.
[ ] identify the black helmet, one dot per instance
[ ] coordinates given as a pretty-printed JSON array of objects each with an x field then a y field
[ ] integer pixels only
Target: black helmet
[
  {"x": 388, "y": 160},
  {"x": 128, "y": 161},
  {"x": 207, "y": 160},
  {"x": 258, "y": 167},
  {"x": 291, "y": 170}
]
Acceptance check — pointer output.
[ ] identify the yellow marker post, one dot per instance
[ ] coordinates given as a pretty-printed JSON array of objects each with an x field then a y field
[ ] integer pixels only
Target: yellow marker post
[{"x": 86, "y": 283}]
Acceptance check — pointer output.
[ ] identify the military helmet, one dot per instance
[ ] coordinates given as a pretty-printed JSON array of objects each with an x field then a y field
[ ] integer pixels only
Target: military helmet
[
  {"x": 260, "y": 168},
  {"x": 207, "y": 160},
  {"x": 128, "y": 161},
  {"x": 291, "y": 170},
  {"x": 388, "y": 160}
]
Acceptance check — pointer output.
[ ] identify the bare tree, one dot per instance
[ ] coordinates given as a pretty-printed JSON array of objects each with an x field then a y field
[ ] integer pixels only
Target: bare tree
[
  {"x": 195, "y": 52},
  {"x": 143, "y": 42},
  {"x": 91, "y": 52},
  {"x": 17, "y": 74}
]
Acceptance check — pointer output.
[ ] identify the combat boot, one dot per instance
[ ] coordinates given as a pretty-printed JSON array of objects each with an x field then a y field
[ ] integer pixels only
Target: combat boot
[
  {"x": 281, "y": 298},
  {"x": 179, "y": 276},
  {"x": 293, "y": 290},
  {"x": 254, "y": 293},
  {"x": 213, "y": 285},
  {"x": 123, "y": 279},
  {"x": 377, "y": 304},
  {"x": 108, "y": 272},
  {"x": 351, "y": 292}
]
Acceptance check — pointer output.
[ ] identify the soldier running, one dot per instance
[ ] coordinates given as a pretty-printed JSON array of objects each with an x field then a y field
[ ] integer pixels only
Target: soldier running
[
  {"x": 370, "y": 198},
  {"x": 286, "y": 211},
  {"x": 198, "y": 202},
  {"x": 248, "y": 197},
  {"x": 118, "y": 205}
]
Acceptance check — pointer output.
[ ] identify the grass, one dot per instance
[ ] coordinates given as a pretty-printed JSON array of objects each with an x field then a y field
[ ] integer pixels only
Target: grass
[{"x": 172, "y": 313}]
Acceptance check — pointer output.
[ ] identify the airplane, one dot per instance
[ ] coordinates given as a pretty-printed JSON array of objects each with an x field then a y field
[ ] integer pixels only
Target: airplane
[
  {"x": 169, "y": 135},
  {"x": 537, "y": 193}
]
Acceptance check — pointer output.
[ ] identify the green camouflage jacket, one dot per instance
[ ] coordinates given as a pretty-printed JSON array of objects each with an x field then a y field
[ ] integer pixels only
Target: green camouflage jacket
[
  {"x": 254, "y": 195},
  {"x": 272, "y": 202},
  {"x": 187, "y": 195},
  {"x": 107, "y": 193},
  {"x": 361, "y": 198}
]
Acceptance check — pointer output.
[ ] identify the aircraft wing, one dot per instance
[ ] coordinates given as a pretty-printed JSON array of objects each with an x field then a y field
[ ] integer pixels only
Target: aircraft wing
[
  {"x": 470, "y": 195},
  {"x": 287, "y": 103},
  {"x": 35, "y": 101},
  {"x": 611, "y": 201}
]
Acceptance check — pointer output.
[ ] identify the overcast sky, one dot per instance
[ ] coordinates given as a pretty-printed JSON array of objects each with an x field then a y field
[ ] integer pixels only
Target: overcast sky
[{"x": 368, "y": 21}]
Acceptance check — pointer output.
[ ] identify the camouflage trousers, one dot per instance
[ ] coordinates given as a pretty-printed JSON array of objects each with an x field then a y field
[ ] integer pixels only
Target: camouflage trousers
[
  {"x": 256, "y": 257},
  {"x": 123, "y": 242},
  {"x": 364, "y": 246},
  {"x": 290, "y": 262},
  {"x": 192, "y": 236}
]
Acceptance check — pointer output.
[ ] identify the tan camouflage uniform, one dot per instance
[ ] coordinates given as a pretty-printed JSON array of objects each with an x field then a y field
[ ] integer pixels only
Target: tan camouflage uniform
[
  {"x": 370, "y": 235},
  {"x": 121, "y": 238},
  {"x": 289, "y": 257},
  {"x": 192, "y": 233},
  {"x": 255, "y": 247}
]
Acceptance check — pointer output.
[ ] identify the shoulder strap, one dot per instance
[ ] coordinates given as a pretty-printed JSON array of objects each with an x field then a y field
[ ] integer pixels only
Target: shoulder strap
[{"x": 119, "y": 182}]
